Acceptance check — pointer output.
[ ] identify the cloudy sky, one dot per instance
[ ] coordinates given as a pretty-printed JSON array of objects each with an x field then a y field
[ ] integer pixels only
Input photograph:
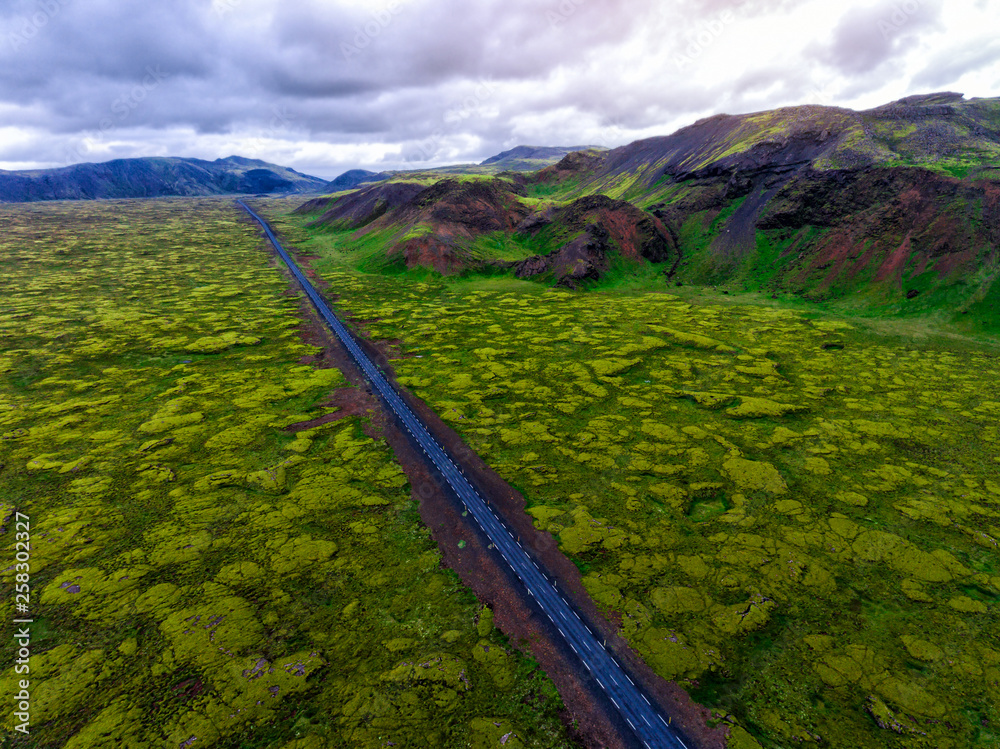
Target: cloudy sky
[{"x": 329, "y": 85}]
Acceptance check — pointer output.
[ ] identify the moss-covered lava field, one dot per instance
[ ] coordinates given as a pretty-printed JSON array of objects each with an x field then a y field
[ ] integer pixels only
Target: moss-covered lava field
[
  {"x": 795, "y": 517},
  {"x": 200, "y": 575}
]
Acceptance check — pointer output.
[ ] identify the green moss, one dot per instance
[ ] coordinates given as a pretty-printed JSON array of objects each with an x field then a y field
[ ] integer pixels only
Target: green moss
[
  {"x": 922, "y": 650},
  {"x": 968, "y": 605},
  {"x": 485, "y": 624},
  {"x": 670, "y": 656},
  {"x": 677, "y": 600},
  {"x": 758, "y": 408},
  {"x": 751, "y": 475},
  {"x": 164, "y": 423},
  {"x": 743, "y": 617},
  {"x": 739, "y": 738},
  {"x": 853, "y": 523},
  {"x": 204, "y": 576}
]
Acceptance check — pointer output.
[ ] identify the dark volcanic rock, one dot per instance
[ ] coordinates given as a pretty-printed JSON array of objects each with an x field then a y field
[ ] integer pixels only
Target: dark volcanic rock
[
  {"x": 450, "y": 210},
  {"x": 584, "y": 258},
  {"x": 431, "y": 252},
  {"x": 535, "y": 265},
  {"x": 358, "y": 209},
  {"x": 825, "y": 198},
  {"x": 354, "y": 177},
  {"x": 596, "y": 227},
  {"x": 449, "y": 215},
  {"x": 480, "y": 206},
  {"x": 885, "y": 224},
  {"x": 578, "y": 162},
  {"x": 535, "y": 221},
  {"x": 635, "y": 233}
]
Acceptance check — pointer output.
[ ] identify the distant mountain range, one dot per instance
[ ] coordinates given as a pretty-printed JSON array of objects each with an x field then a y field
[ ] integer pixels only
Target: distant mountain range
[
  {"x": 895, "y": 208},
  {"x": 530, "y": 158},
  {"x": 154, "y": 177},
  {"x": 519, "y": 159},
  {"x": 354, "y": 177}
]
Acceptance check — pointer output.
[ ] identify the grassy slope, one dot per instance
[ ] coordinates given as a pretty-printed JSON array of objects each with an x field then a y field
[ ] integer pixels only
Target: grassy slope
[
  {"x": 966, "y": 303},
  {"x": 941, "y": 145},
  {"x": 369, "y": 250}
]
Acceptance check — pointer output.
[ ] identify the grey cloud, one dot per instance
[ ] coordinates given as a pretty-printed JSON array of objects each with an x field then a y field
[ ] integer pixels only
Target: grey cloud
[
  {"x": 867, "y": 37},
  {"x": 342, "y": 71},
  {"x": 426, "y": 43},
  {"x": 347, "y": 74},
  {"x": 709, "y": 8},
  {"x": 94, "y": 39},
  {"x": 222, "y": 74},
  {"x": 948, "y": 66}
]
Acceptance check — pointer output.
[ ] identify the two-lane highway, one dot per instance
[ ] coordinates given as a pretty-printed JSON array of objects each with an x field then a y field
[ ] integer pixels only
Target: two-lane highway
[{"x": 649, "y": 726}]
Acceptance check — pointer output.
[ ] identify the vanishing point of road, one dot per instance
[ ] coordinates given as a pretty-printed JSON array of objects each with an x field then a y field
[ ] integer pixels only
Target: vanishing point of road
[{"x": 648, "y": 724}]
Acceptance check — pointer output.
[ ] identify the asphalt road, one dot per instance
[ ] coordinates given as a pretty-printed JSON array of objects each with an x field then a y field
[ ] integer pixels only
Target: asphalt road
[{"x": 649, "y": 726}]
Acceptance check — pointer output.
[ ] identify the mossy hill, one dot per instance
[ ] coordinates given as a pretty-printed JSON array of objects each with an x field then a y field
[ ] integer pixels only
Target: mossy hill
[{"x": 890, "y": 210}]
